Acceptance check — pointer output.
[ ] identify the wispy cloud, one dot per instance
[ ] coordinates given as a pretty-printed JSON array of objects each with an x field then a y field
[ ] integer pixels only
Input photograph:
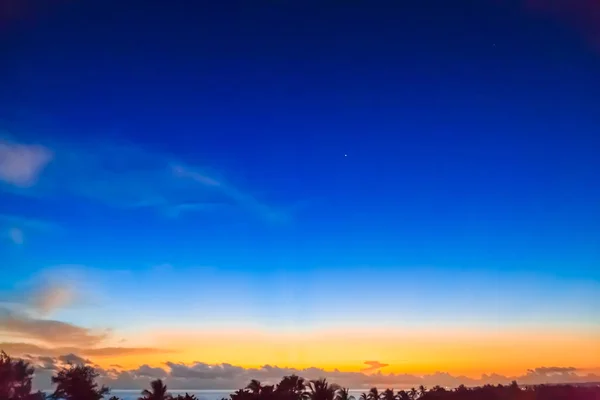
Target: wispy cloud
[
  {"x": 20, "y": 348},
  {"x": 16, "y": 235},
  {"x": 126, "y": 176},
  {"x": 243, "y": 199},
  {"x": 15, "y": 228},
  {"x": 373, "y": 366},
  {"x": 21, "y": 164},
  {"x": 21, "y": 326},
  {"x": 48, "y": 293}
]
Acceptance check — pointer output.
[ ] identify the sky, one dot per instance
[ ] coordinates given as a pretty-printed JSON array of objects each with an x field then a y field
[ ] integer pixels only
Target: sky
[{"x": 389, "y": 193}]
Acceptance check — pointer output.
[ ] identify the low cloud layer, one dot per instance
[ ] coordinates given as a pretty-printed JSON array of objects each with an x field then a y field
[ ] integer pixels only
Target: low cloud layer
[{"x": 226, "y": 376}]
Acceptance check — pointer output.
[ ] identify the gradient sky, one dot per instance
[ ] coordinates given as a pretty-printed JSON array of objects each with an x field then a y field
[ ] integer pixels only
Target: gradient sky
[{"x": 302, "y": 184}]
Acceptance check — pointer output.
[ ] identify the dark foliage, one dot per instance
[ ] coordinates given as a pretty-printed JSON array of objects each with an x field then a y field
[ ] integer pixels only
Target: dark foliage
[
  {"x": 15, "y": 380},
  {"x": 158, "y": 391},
  {"x": 295, "y": 388},
  {"x": 185, "y": 397},
  {"x": 77, "y": 382}
]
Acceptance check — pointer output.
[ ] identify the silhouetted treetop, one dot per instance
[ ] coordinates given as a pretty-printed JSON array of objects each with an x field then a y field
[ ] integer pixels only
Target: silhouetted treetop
[{"x": 77, "y": 382}]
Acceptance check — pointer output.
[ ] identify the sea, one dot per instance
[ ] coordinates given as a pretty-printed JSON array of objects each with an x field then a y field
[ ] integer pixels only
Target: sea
[{"x": 200, "y": 394}]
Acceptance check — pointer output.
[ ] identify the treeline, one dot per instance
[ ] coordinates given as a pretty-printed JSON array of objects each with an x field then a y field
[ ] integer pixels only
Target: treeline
[{"x": 78, "y": 382}]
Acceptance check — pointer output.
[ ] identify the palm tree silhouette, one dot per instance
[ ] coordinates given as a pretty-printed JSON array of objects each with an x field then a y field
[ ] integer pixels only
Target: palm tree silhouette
[
  {"x": 344, "y": 394},
  {"x": 292, "y": 387},
  {"x": 373, "y": 394},
  {"x": 158, "y": 391},
  {"x": 388, "y": 394},
  {"x": 364, "y": 396},
  {"x": 254, "y": 386},
  {"x": 422, "y": 391},
  {"x": 320, "y": 389}
]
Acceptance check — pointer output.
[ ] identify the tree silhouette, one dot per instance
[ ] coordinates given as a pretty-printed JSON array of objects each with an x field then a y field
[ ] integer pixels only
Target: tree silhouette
[
  {"x": 373, "y": 394},
  {"x": 292, "y": 388},
  {"x": 388, "y": 394},
  {"x": 320, "y": 389},
  {"x": 114, "y": 398},
  {"x": 77, "y": 382},
  {"x": 413, "y": 393},
  {"x": 186, "y": 397},
  {"x": 242, "y": 394},
  {"x": 364, "y": 396},
  {"x": 403, "y": 395},
  {"x": 15, "y": 379},
  {"x": 254, "y": 386},
  {"x": 158, "y": 391},
  {"x": 267, "y": 393},
  {"x": 344, "y": 394}
]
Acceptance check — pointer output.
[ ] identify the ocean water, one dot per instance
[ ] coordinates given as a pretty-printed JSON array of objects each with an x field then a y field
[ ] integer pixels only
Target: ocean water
[{"x": 200, "y": 394}]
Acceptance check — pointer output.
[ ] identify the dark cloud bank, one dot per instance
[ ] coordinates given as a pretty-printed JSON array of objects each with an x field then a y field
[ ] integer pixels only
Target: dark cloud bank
[{"x": 199, "y": 375}]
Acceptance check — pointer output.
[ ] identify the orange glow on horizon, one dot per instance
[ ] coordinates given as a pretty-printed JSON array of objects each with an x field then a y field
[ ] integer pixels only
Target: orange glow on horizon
[{"x": 469, "y": 353}]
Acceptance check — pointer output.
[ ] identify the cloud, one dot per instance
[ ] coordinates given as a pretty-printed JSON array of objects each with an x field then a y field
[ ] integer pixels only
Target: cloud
[
  {"x": 125, "y": 176},
  {"x": 150, "y": 372},
  {"x": 73, "y": 359},
  {"x": 226, "y": 376},
  {"x": 52, "y": 297},
  {"x": 243, "y": 199},
  {"x": 122, "y": 351},
  {"x": 16, "y": 235},
  {"x": 16, "y": 227},
  {"x": 22, "y": 348},
  {"x": 204, "y": 371},
  {"x": 46, "y": 295},
  {"x": 53, "y": 332},
  {"x": 46, "y": 363},
  {"x": 553, "y": 370},
  {"x": 21, "y": 164},
  {"x": 374, "y": 365}
]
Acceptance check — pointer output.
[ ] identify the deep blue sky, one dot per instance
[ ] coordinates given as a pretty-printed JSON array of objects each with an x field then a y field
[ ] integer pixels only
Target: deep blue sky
[{"x": 413, "y": 138}]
